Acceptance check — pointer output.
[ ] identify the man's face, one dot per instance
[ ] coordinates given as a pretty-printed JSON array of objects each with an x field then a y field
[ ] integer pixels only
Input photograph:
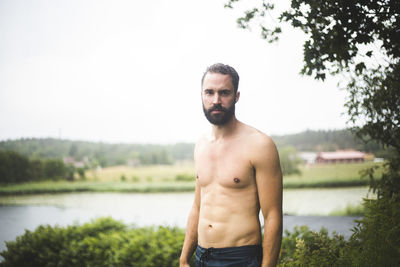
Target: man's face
[{"x": 219, "y": 98}]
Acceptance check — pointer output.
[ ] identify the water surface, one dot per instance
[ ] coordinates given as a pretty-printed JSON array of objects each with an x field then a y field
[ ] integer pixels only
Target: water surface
[{"x": 303, "y": 207}]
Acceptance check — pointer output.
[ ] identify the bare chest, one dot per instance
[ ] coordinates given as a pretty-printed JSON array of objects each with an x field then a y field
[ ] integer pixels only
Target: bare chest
[{"x": 226, "y": 165}]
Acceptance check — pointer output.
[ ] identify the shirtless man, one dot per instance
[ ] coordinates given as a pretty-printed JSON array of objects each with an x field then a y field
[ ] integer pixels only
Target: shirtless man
[{"x": 237, "y": 174}]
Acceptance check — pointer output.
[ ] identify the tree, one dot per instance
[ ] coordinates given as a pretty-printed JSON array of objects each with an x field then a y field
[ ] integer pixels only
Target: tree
[
  {"x": 14, "y": 168},
  {"x": 54, "y": 169},
  {"x": 359, "y": 40}
]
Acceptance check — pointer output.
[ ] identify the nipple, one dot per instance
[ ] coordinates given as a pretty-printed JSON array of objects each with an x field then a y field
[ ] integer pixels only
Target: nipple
[{"x": 236, "y": 180}]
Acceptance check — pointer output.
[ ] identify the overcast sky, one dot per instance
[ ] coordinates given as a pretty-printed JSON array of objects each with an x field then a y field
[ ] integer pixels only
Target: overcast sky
[{"x": 129, "y": 71}]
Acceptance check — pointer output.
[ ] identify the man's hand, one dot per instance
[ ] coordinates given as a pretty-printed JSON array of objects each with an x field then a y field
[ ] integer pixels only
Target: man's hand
[{"x": 184, "y": 264}]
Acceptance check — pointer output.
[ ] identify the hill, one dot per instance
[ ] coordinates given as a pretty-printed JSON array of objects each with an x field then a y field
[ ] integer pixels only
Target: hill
[{"x": 328, "y": 140}]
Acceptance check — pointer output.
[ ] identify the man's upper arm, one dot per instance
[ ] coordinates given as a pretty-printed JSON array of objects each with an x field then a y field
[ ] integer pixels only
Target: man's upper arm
[{"x": 268, "y": 178}]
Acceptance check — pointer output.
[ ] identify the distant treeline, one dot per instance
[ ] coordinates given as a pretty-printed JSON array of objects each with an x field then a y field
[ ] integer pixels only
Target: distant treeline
[
  {"x": 97, "y": 153},
  {"x": 106, "y": 154},
  {"x": 331, "y": 140}
]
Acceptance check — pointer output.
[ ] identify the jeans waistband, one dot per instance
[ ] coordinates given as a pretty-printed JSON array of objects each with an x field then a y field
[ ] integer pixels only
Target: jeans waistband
[
  {"x": 237, "y": 251},
  {"x": 204, "y": 255},
  {"x": 230, "y": 249}
]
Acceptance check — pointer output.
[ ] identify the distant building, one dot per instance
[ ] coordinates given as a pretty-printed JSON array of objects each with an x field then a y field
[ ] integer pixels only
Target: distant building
[
  {"x": 76, "y": 164},
  {"x": 340, "y": 156},
  {"x": 308, "y": 157}
]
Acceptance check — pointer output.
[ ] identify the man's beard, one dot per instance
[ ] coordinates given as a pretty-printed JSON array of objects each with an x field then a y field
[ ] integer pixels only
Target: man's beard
[{"x": 219, "y": 118}]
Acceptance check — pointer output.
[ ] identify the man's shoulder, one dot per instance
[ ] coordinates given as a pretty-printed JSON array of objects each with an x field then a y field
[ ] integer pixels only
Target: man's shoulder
[
  {"x": 262, "y": 151},
  {"x": 257, "y": 138}
]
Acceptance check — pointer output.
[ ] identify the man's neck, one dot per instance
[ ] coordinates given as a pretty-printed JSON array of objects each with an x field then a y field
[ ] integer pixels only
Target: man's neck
[{"x": 220, "y": 132}]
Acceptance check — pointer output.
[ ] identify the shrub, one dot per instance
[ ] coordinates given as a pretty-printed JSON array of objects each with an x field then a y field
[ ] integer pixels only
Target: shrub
[
  {"x": 303, "y": 247},
  {"x": 108, "y": 243},
  {"x": 376, "y": 239},
  {"x": 101, "y": 243}
]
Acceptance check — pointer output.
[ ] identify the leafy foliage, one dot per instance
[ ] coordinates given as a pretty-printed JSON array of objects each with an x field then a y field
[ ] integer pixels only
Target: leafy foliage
[
  {"x": 376, "y": 239},
  {"x": 16, "y": 168},
  {"x": 375, "y": 96},
  {"x": 303, "y": 247},
  {"x": 337, "y": 31},
  {"x": 104, "y": 242}
]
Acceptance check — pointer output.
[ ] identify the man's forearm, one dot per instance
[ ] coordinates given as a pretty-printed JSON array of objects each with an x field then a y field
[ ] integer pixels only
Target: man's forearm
[
  {"x": 272, "y": 241},
  {"x": 189, "y": 246},
  {"x": 190, "y": 243}
]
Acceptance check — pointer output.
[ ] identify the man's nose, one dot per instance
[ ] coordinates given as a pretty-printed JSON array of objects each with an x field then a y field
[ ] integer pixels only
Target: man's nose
[{"x": 216, "y": 99}]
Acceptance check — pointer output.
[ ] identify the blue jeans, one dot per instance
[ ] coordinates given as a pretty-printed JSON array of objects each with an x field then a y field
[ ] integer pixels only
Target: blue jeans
[{"x": 245, "y": 256}]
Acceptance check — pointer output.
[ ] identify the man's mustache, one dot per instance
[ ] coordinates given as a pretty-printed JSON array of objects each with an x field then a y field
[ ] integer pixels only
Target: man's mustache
[{"x": 217, "y": 107}]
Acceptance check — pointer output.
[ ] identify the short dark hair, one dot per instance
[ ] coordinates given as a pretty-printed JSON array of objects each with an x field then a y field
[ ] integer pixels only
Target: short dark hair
[{"x": 226, "y": 70}]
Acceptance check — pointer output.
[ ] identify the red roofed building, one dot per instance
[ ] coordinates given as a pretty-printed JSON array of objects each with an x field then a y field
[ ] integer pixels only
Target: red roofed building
[{"x": 340, "y": 156}]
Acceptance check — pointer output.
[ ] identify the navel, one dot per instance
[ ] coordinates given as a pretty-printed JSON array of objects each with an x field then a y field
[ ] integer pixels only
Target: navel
[
  {"x": 209, "y": 226},
  {"x": 236, "y": 180},
  {"x": 197, "y": 177}
]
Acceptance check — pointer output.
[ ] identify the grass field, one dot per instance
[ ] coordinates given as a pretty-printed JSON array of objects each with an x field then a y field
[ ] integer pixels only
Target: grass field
[
  {"x": 180, "y": 178},
  {"x": 152, "y": 173},
  {"x": 330, "y": 175}
]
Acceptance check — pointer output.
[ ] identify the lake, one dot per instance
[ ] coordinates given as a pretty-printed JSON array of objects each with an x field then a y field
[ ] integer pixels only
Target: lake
[{"x": 301, "y": 207}]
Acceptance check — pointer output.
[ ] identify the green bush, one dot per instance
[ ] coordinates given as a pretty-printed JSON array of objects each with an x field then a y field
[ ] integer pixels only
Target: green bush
[
  {"x": 376, "y": 239},
  {"x": 103, "y": 242},
  {"x": 303, "y": 247},
  {"x": 108, "y": 243}
]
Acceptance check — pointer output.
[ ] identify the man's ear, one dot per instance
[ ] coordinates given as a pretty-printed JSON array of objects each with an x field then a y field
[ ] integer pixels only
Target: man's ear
[{"x": 237, "y": 96}]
